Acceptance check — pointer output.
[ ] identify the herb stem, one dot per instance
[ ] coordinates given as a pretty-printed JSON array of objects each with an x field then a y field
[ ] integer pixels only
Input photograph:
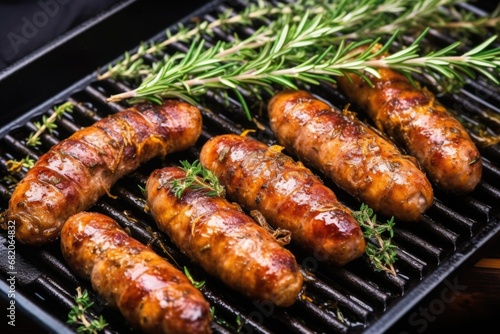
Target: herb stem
[
  {"x": 48, "y": 123},
  {"x": 263, "y": 9},
  {"x": 297, "y": 55}
]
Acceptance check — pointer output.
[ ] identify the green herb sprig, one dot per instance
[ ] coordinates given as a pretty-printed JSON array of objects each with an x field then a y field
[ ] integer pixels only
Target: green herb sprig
[
  {"x": 132, "y": 66},
  {"x": 290, "y": 59},
  {"x": 48, "y": 123},
  {"x": 197, "y": 178},
  {"x": 78, "y": 318},
  {"x": 239, "y": 321},
  {"x": 382, "y": 253},
  {"x": 196, "y": 284},
  {"x": 356, "y": 19},
  {"x": 15, "y": 166},
  {"x": 33, "y": 140}
]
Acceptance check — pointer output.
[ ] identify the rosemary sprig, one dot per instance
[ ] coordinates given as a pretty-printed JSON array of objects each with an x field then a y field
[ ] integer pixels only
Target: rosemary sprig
[
  {"x": 15, "y": 166},
  {"x": 132, "y": 66},
  {"x": 288, "y": 60},
  {"x": 465, "y": 21},
  {"x": 48, "y": 123},
  {"x": 357, "y": 19},
  {"x": 77, "y": 315},
  {"x": 382, "y": 253},
  {"x": 443, "y": 62},
  {"x": 197, "y": 178}
]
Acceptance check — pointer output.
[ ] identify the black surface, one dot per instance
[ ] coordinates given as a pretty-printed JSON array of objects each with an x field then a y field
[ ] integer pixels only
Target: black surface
[{"x": 82, "y": 50}]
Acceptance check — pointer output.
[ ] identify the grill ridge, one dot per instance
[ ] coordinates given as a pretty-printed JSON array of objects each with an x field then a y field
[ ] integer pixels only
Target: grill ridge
[{"x": 361, "y": 295}]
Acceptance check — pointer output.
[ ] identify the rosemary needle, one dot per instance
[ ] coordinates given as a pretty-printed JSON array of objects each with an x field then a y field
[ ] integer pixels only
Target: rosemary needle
[
  {"x": 356, "y": 20},
  {"x": 292, "y": 58},
  {"x": 48, "y": 123}
]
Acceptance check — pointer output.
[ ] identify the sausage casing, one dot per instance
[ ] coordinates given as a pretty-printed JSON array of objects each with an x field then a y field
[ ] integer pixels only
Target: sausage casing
[
  {"x": 226, "y": 242},
  {"x": 354, "y": 156},
  {"x": 288, "y": 195},
  {"x": 417, "y": 121},
  {"x": 152, "y": 295},
  {"x": 74, "y": 173}
]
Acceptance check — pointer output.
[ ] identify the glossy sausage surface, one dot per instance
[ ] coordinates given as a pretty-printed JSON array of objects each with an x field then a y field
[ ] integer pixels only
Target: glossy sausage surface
[
  {"x": 74, "y": 173},
  {"x": 152, "y": 295},
  {"x": 287, "y": 193},
  {"x": 227, "y": 243},
  {"x": 354, "y": 156},
  {"x": 417, "y": 121}
]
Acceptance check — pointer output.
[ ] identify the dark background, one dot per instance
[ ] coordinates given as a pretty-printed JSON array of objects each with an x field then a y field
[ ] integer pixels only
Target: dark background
[
  {"x": 27, "y": 25},
  {"x": 72, "y": 44}
]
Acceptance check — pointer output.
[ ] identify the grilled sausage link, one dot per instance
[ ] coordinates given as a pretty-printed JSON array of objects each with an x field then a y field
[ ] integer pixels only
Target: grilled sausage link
[
  {"x": 288, "y": 194},
  {"x": 74, "y": 173},
  {"x": 226, "y": 242},
  {"x": 355, "y": 157},
  {"x": 152, "y": 295},
  {"x": 414, "y": 119}
]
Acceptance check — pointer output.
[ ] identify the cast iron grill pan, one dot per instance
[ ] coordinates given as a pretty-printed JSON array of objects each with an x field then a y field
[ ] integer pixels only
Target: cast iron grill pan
[{"x": 351, "y": 299}]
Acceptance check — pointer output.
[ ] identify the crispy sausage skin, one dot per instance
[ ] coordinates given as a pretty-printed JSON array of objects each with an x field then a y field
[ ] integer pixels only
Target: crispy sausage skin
[
  {"x": 226, "y": 242},
  {"x": 355, "y": 157},
  {"x": 414, "y": 119},
  {"x": 152, "y": 295},
  {"x": 74, "y": 173},
  {"x": 288, "y": 194}
]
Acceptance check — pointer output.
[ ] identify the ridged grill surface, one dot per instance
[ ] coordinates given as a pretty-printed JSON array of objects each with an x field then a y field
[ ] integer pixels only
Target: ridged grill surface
[{"x": 335, "y": 300}]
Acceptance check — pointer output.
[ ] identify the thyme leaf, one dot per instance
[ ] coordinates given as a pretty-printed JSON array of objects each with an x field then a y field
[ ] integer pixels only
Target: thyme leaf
[
  {"x": 48, "y": 123},
  {"x": 197, "y": 178},
  {"x": 379, "y": 249},
  {"x": 77, "y": 315},
  {"x": 296, "y": 55},
  {"x": 33, "y": 140}
]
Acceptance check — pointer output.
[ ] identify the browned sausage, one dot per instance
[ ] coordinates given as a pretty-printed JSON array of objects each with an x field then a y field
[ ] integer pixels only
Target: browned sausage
[
  {"x": 415, "y": 119},
  {"x": 73, "y": 174},
  {"x": 356, "y": 158},
  {"x": 227, "y": 243},
  {"x": 288, "y": 194},
  {"x": 152, "y": 295}
]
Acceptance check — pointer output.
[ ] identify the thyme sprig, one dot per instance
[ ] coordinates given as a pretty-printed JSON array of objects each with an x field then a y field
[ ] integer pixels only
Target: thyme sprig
[
  {"x": 48, "y": 123},
  {"x": 197, "y": 178},
  {"x": 15, "y": 166},
  {"x": 382, "y": 253},
  {"x": 33, "y": 140},
  {"x": 78, "y": 318},
  {"x": 132, "y": 65},
  {"x": 196, "y": 284}
]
